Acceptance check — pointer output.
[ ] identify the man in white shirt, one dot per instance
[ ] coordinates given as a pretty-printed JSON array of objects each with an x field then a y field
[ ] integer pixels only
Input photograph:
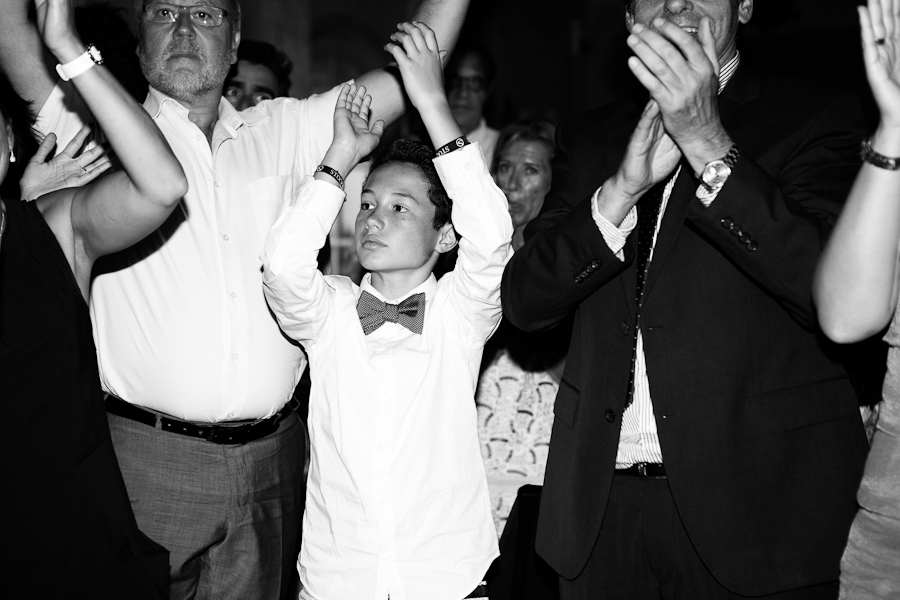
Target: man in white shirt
[
  {"x": 706, "y": 444},
  {"x": 198, "y": 373},
  {"x": 397, "y": 503}
]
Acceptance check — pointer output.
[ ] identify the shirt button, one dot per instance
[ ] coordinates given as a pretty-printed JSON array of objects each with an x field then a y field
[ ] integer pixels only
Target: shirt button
[
  {"x": 381, "y": 447},
  {"x": 198, "y": 137},
  {"x": 234, "y": 356},
  {"x": 216, "y": 184},
  {"x": 231, "y": 415},
  {"x": 225, "y": 237},
  {"x": 290, "y": 231},
  {"x": 610, "y": 415},
  {"x": 233, "y": 295}
]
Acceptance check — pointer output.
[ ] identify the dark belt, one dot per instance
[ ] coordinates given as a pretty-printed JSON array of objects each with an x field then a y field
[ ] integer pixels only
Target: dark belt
[
  {"x": 644, "y": 470},
  {"x": 217, "y": 434}
]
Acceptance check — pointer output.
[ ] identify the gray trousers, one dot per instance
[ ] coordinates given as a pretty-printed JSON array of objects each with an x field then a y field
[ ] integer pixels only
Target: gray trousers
[{"x": 228, "y": 514}]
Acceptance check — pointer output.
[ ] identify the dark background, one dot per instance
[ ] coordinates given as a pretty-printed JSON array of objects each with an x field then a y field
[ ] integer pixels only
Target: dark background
[{"x": 555, "y": 57}]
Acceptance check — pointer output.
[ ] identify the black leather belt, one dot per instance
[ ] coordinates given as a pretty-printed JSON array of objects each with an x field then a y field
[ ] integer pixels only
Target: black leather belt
[
  {"x": 217, "y": 434},
  {"x": 644, "y": 470}
]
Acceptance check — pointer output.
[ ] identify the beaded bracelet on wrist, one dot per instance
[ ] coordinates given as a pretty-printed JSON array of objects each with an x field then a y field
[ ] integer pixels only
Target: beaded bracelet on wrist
[
  {"x": 332, "y": 172},
  {"x": 881, "y": 161},
  {"x": 454, "y": 145}
]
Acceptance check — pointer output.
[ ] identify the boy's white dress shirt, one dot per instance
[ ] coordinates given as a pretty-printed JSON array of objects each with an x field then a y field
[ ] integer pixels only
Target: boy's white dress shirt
[{"x": 397, "y": 502}]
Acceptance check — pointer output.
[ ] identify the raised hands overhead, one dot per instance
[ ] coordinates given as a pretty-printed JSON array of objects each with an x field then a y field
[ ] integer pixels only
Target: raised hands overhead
[
  {"x": 880, "y": 28},
  {"x": 70, "y": 168},
  {"x": 356, "y": 131},
  {"x": 415, "y": 48}
]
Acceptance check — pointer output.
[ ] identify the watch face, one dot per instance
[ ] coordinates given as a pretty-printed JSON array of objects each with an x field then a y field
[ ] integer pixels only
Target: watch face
[
  {"x": 95, "y": 55},
  {"x": 716, "y": 173}
]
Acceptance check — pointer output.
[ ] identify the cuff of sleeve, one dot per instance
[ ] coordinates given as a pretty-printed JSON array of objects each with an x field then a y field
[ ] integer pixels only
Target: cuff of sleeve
[
  {"x": 315, "y": 201},
  {"x": 458, "y": 169},
  {"x": 613, "y": 236},
  {"x": 706, "y": 195}
]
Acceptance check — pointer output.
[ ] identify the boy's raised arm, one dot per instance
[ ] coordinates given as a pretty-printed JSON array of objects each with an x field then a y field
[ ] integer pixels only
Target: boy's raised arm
[
  {"x": 480, "y": 211},
  {"x": 296, "y": 290}
]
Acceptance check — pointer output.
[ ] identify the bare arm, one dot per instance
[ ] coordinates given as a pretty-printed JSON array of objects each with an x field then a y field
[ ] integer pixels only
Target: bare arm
[
  {"x": 857, "y": 281},
  {"x": 122, "y": 208},
  {"x": 29, "y": 67},
  {"x": 445, "y": 17}
]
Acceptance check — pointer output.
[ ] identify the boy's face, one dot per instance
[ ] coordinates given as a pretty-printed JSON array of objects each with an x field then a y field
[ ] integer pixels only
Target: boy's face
[{"x": 394, "y": 227}]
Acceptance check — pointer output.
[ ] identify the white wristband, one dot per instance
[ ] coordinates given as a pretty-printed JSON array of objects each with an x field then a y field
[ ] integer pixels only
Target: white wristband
[{"x": 76, "y": 67}]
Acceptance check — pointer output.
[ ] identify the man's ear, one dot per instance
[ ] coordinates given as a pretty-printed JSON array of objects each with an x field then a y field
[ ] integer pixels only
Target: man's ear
[
  {"x": 446, "y": 239},
  {"x": 629, "y": 17},
  {"x": 10, "y": 138},
  {"x": 235, "y": 42},
  {"x": 745, "y": 11}
]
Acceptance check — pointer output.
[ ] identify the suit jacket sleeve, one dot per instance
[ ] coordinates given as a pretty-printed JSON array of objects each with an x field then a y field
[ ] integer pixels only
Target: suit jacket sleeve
[{"x": 773, "y": 221}]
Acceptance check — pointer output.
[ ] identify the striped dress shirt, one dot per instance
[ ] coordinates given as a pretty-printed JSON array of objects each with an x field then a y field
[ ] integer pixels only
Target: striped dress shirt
[{"x": 638, "y": 439}]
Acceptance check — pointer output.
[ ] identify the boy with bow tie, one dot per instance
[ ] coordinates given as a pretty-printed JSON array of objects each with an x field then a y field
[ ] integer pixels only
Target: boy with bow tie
[{"x": 397, "y": 504}]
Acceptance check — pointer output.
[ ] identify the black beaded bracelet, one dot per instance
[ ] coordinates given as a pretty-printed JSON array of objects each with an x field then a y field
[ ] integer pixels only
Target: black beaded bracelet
[
  {"x": 329, "y": 171},
  {"x": 454, "y": 145},
  {"x": 881, "y": 161}
]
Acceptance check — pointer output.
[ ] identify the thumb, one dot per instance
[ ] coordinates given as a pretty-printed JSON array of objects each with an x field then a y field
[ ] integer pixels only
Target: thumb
[
  {"x": 44, "y": 149},
  {"x": 443, "y": 54},
  {"x": 708, "y": 42},
  {"x": 378, "y": 128}
]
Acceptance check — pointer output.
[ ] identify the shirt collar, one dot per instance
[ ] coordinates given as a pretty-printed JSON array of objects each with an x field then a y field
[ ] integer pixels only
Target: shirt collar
[
  {"x": 229, "y": 118},
  {"x": 726, "y": 72},
  {"x": 428, "y": 287}
]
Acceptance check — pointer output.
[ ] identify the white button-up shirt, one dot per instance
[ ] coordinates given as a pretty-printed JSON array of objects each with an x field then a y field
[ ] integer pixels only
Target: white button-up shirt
[
  {"x": 180, "y": 321},
  {"x": 397, "y": 502}
]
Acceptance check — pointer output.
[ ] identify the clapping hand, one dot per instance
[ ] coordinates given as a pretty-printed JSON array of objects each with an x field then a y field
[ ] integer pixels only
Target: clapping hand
[
  {"x": 651, "y": 155},
  {"x": 68, "y": 168},
  {"x": 682, "y": 75},
  {"x": 880, "y": 25}
]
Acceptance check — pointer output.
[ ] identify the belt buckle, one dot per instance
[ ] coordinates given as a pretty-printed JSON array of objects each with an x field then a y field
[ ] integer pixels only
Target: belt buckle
[{"x": 642, "y": 469}]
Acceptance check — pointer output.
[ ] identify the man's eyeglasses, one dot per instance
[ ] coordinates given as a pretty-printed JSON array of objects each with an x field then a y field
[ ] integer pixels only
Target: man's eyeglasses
[
  {"x": 473, "y": 84},
  {"x": 204, "y": 16}
]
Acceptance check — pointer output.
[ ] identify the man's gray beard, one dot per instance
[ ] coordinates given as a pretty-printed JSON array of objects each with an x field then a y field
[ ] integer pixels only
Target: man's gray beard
[{"x": 184, "y": 87}]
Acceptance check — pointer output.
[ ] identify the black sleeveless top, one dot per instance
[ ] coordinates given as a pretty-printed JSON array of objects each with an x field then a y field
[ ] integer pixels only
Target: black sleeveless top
[{"x": 66, "y": 520}]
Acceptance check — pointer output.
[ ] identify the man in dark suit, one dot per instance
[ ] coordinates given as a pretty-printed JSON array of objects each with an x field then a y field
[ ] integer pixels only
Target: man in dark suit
[{"x": 707, "y": 444}]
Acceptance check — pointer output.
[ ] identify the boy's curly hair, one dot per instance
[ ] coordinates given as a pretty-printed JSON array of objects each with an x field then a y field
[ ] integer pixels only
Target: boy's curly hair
[{"x": 419, "y": 156}]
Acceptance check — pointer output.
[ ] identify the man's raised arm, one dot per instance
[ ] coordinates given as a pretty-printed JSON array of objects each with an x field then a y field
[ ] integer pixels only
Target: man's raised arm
[
  {"x": 445, "y": 17},
  {"x": 23, "y": 58}
]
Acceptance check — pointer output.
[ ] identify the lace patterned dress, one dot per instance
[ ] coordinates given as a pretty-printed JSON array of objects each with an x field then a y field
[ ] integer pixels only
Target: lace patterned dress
[
  {"x": 870, "y": 568},
  {"x": 515, "y": 417}
]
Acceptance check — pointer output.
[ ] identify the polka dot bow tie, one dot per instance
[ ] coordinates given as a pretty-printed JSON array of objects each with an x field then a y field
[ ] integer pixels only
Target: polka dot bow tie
[{"x": 373, "y": 312}]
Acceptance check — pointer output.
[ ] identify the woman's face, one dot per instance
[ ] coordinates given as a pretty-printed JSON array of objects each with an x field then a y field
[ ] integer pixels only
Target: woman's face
[{"x": 524, "y": 174}]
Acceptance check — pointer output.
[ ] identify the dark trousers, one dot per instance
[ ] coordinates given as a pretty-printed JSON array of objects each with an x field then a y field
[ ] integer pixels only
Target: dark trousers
[{"x": 643, "y": 552}]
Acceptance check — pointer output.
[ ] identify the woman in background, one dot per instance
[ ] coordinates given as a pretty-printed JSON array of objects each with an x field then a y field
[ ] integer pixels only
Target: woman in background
[
  {"x": 520, "y": 371},
  {"x": 856, "y": 292},
  {"x": 68, "y": 522}
]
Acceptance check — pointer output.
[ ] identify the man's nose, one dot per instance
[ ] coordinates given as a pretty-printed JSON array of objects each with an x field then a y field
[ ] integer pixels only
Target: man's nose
[
  {"x": 183, "y": 23},
  {"x": 676, "y": 6}
]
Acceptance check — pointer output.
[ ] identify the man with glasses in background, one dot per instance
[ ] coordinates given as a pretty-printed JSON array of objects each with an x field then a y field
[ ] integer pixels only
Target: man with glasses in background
[
  {"x": 197, "y": 371},
  {"x": 470, "y": 78}
]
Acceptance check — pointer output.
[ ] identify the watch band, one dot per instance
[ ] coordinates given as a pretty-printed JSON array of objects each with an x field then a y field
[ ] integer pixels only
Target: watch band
[
  {"x": 881, "y": 161},
  {"x": 731, "y": 158},
  {"x": 85, "y": 61}
]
